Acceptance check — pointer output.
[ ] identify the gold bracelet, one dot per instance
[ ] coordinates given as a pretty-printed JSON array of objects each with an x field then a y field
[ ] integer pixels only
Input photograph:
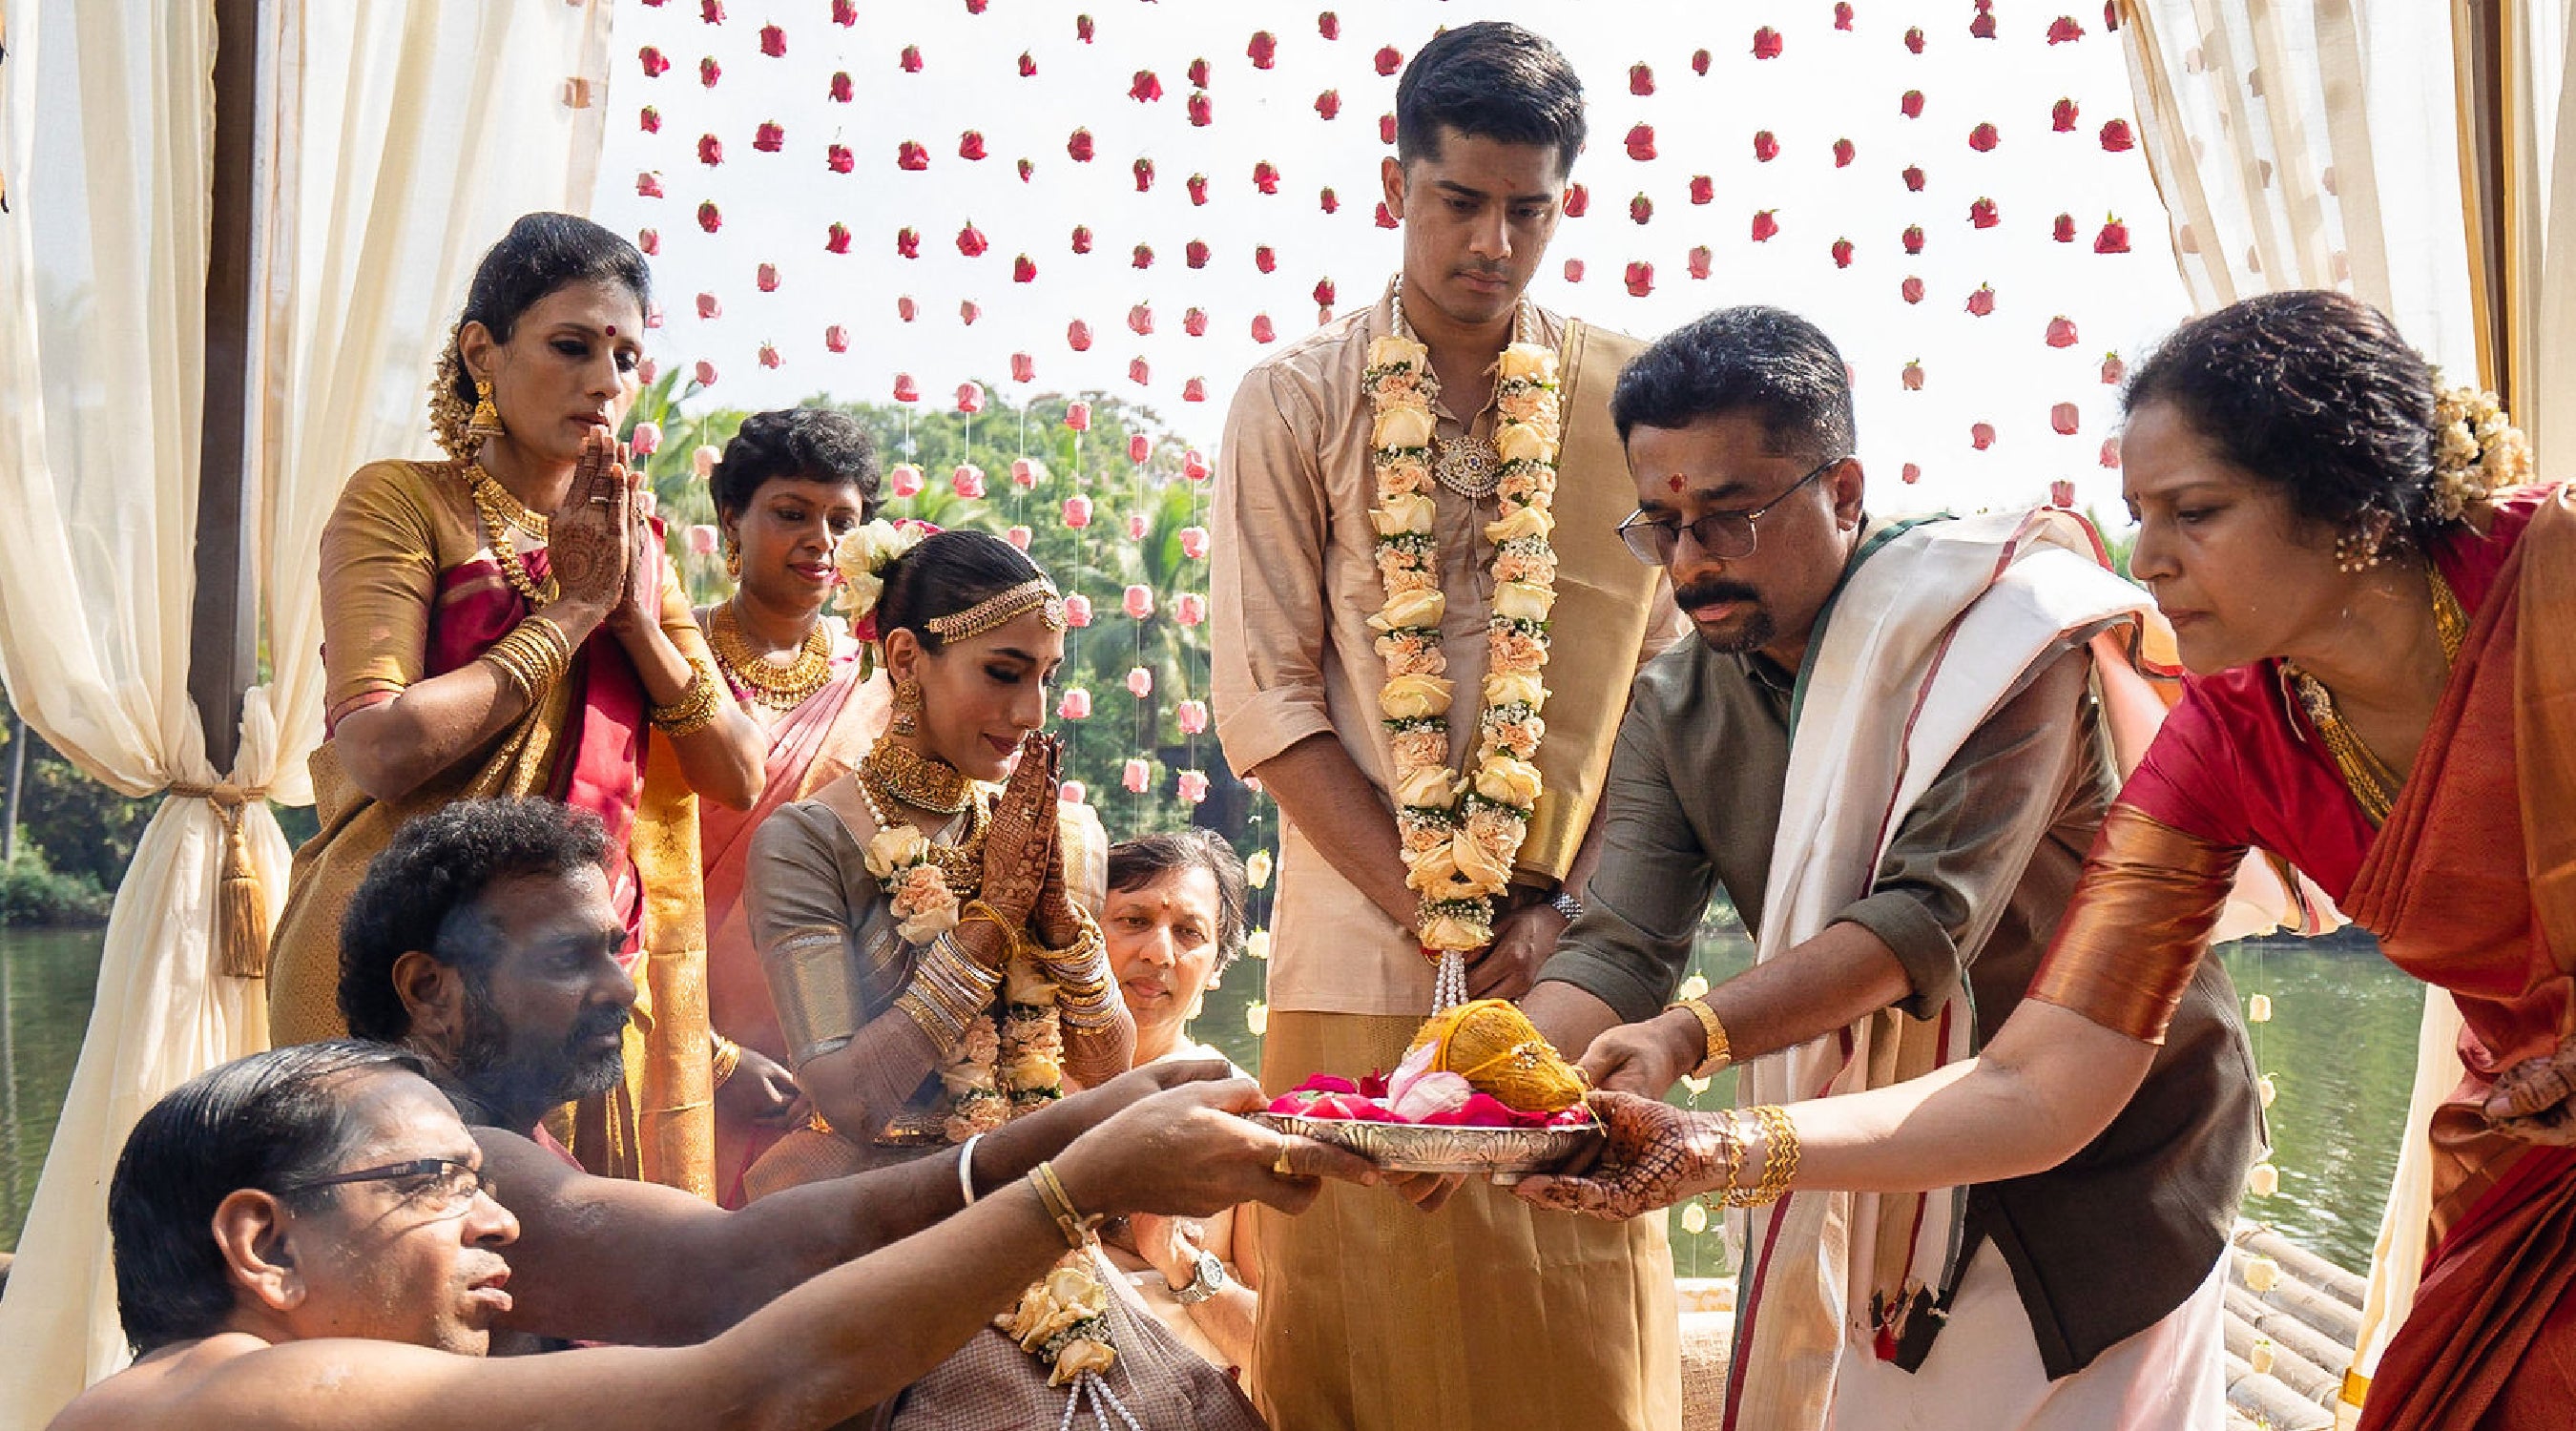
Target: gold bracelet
[
  {"x": 1779, "y": 1158},
  {"x": 1718, "y": 1055},
  {"x": 694, "y": 711},
  {"x": 1077, "y": 1229},
  {"x": 533, "y": 654},
  {"x": 977, "y": 911},
  {"x": 727, "y": 1059}
]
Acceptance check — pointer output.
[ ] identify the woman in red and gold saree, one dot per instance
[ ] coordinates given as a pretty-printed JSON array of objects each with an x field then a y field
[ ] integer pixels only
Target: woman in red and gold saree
[
  {"x": 2386, "y": 700},
  {"x": 504, "y": 624},
  {"x": 790, "y": 485}
]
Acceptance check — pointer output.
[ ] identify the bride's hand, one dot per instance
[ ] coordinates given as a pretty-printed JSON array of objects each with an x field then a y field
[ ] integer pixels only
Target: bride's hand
[
  {"x": 1654, "y": 1157},
  {"x": 1020, "y": 847},
  {"x": 2532, "y": 1099}
]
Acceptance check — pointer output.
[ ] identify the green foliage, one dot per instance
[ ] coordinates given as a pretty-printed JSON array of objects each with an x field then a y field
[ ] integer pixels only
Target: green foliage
[
  {"x": 1099, "y": 562},
  {"x": 87, "y": 830},
  {"x": 33, "y": 893}
]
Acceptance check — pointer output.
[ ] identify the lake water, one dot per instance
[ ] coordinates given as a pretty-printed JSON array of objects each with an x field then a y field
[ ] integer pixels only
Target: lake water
[{"x": 2339, "y": 1047}]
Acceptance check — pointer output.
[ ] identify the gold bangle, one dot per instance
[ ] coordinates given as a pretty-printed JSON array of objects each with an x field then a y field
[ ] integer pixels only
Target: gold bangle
[
  {"x": 726, "y": 1059},
  {"x": 1779, "y": 1159},
  {"x": 694, "y": 711},
  {"x": 1077, "y": 1229},
  {"x": 1718, "y": 1054}
]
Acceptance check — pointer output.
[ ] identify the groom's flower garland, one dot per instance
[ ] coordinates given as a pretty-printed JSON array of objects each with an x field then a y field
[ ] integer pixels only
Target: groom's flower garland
[{"x": 1462, "y": 832}]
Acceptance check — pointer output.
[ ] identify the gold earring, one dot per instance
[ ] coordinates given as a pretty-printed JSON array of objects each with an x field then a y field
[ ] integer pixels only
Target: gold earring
[
  {"x": 485, "y": 424},
  {"x": 2360, "y": 550},
  {"x": 907, "y": 708},
  {"x": 733, "y": 558}
]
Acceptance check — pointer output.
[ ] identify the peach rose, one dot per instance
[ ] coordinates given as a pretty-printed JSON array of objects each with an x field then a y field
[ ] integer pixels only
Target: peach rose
[
  {"x": 1514, "y": 688},
  {"x": 1533, "y": 361},
  {"x": 1507, "y": 780},
  {"x": 1521, "y": 522},
  {"x": 1401, "y": 427},
  {"x": 1401, "y": 513},
  {"x": 1411, "y": 609},
  {"x": 1522, "y": 601},
  {"x": 1414, "y": 697},
  {"x": 1524, "y": 442},
  {"x": 1394, "y": 350}
]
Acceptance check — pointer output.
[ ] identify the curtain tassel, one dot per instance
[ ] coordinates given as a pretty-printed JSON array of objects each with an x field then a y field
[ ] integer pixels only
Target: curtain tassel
[{"x": 241, "y": 902}]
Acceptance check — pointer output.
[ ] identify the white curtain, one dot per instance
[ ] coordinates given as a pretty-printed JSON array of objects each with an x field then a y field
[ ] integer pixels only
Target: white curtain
[
  {"x": 2322, "y": 143},
  {"x": 398, "y": 139}
]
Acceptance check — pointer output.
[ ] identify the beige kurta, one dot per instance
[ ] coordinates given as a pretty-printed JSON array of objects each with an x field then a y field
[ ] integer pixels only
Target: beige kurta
[{"x": 1373, "y": 1315}]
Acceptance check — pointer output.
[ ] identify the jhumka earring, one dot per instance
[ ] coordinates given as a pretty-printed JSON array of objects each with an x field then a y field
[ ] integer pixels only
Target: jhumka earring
[
  {"x": 486, "y": 421},
  {"x": 733, "y": 558},
  {"x": 907, "y": 708},
  {"x": 2360, "y": 549}
]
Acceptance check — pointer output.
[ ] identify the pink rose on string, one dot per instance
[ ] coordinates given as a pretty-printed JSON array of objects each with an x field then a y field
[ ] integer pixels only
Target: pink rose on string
[
  {"x": 1077, "y": 511},
  {"x": 1140, "y": 682},
  {"x": 768, "y": 355},
  {"x": 906, "y": 309},
  {"x": 1077, "y": 415},
  {"x": 709, "y": 307},
  {"x": 1077, "y": 335},
  {"x": 967, "y": 481},
  {"x": 705, "y": 373},
  {"x": 649, "y": 240},
  {"x": 648, "y": 185},
  {"x": 1139, "y": 372},
  {"x": 1024, "y": 473},
  {"x": 1139, "y": 604},
  {"x": 1194, "y": 543},
  {"x": 702, "y": 540},
  {"x": 1018, "y": 537},
  {"x": 1135, "y": 775},
  {"x": 1076, "y": 705},
  {"x": 905, "y": 480},
  {"x": 646, "y": 437},
  {"x": 647, "y": 370},
  {"x": 1252, "y": 783},
  {"x": 1073, "y": 792},
  {"x": 1193, "y": 717},
  {"x": 1194, "y": 390},
  {"x": 1194, "y": 465},
  {"x": 837, "y": 338},
  {"x": 1024, "y": 368},
  {"x": 765, "y": 277},
  {"x": 970, "y": 398},
  {"x": 1077, "y": 610},
  {"x": 2061, "y": 494},
  {"x": 906, "y": 389},
  {"x": 703, "y": 460},
  {"x": 1194, "y": 786},
  {"x": 1189, "y": 608},
  {"x": 1136, "y": 526}
]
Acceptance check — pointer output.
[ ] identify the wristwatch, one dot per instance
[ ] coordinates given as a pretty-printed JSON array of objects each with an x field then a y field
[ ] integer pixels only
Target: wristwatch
[{"x": 1209, "y": 1280}]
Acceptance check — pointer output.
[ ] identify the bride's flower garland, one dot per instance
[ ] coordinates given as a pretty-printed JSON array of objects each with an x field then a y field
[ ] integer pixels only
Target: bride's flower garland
[{"x": 1461, "y": 832}]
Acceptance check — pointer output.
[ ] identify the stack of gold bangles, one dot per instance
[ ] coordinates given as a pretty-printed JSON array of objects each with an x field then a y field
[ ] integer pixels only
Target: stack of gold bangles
[
  {"x": 696, "y": 708},
  {"x": 949, "y": 988},
  {"x": 1719, "y": 1055},
  {"x": 1779, "y": 1156},
  {"x": 533, "y": 656},
  {"x": 1085, "y": 1001}
]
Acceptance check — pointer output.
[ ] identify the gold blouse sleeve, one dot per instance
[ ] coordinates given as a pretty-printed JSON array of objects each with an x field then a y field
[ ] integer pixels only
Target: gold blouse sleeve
[
  {"x": 1085, "y": 843},
  {"x": 379, "y": 582},
  {"x": 2137, "y": 925},
  {"x": 678, "y": 621}
]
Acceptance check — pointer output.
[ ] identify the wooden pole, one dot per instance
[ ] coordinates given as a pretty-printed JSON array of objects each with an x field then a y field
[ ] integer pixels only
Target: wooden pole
[{"x": 223, "y": 635}]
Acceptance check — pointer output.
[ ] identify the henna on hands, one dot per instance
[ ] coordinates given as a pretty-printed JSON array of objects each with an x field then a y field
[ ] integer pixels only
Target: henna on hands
[
  {"x": 1021, "y": 843},
  {"x": 587, "y": 540},
  {"x": 2532, "y": 1099},
  {"x": 1656, "y": 1155}
]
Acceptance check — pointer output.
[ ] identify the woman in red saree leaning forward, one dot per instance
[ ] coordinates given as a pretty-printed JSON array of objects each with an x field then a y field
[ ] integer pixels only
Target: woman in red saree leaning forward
[{"x": 2380, "y": 621}]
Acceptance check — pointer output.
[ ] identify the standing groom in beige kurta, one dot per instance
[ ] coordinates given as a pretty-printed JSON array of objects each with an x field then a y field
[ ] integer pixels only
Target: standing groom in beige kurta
[{"x": 1477, "y": 1310}]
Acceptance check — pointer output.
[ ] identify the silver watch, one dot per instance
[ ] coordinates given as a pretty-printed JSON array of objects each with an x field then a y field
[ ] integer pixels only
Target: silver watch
[
  {"x": 1206, "y": 1282},
  {"x": 1567, "y": 905}
]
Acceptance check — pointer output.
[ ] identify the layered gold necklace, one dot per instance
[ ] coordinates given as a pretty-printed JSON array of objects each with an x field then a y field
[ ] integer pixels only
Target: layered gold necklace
[
  {"x": 501, "y": 513},
  {"x": 893, "y": 775},
  {"x": 779, "y": 687},
  {"x": 2373, "y": 783}
]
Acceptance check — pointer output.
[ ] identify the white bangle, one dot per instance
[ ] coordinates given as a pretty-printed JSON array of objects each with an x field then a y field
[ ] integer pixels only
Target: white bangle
[{"x": 966, "y": 1168}]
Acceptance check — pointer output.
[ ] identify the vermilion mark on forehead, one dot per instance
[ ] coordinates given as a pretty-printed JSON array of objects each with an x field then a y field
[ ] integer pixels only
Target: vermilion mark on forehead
[{"x": 1674, "y": 481}]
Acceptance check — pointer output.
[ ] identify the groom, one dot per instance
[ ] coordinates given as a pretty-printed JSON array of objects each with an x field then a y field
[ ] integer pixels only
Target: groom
[
  {"x": 1486, "y": 1313},
  {"x": 1902, "y": 863}
]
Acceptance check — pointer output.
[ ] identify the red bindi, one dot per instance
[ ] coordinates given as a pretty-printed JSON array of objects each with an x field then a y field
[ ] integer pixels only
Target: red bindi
[
  {"x": 1674, "y": 481},
  {"x": 612, "y": 330}
]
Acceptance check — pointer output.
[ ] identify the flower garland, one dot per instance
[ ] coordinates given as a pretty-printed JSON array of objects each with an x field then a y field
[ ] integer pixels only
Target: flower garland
[
  {"x": 1461, "y": 832},
  {"x": 2476, "y": 450}
]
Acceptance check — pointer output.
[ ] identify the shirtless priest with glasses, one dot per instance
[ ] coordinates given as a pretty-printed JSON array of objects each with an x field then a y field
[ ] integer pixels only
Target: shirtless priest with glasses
[
  {"x": 1886, "y": 746},
  {"x": 1417, "y": 508}
]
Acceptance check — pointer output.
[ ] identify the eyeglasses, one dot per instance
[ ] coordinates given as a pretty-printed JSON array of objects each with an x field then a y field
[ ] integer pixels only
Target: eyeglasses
[
  {"x": 450, "y": 1183},
  {"x": 1726, "y": 536}
]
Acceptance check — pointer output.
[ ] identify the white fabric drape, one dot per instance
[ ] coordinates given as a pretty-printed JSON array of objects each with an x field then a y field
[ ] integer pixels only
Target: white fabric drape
[{"x": 399, "y": 138}]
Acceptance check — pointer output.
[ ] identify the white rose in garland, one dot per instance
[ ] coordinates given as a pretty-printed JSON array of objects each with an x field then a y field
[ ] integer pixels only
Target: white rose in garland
[{"x": 1461, "y": 830}]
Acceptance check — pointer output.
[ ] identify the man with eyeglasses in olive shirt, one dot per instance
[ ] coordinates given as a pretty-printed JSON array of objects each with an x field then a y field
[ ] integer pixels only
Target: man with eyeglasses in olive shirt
[{"x": 1901, "y": 864}]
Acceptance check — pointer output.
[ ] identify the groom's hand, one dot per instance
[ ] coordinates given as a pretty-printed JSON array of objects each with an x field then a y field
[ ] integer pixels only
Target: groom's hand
[{"x": 1523, "y": 940}]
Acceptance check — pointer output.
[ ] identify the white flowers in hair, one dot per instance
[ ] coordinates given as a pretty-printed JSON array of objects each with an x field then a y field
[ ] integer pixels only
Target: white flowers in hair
[
  {"x": 2476, "y": 450},
  {"x": 859, "y": 556}
]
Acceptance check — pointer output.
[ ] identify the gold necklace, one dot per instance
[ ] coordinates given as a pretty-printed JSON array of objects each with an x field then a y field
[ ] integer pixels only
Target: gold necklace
[
  {"x": 781, "y": 688},
  {"x": 1468, "y": 465},
  {"x": 501, "y": 512},
  {"x": 960, "y": 864},
  {"x": 902, "y": 775},
  {"x": 2374, "y": 785}
]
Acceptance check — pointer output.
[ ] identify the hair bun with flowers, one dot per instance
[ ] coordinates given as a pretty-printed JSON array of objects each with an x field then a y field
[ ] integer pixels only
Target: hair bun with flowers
[
  {"x": 2476, "y": 450},
  {"x": 861, "y": 557}
]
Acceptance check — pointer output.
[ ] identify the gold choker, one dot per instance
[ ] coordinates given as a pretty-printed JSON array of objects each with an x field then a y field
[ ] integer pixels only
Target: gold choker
[
  {"x": 898, "y": 774},
  {"x": 781, "y": 688}
]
